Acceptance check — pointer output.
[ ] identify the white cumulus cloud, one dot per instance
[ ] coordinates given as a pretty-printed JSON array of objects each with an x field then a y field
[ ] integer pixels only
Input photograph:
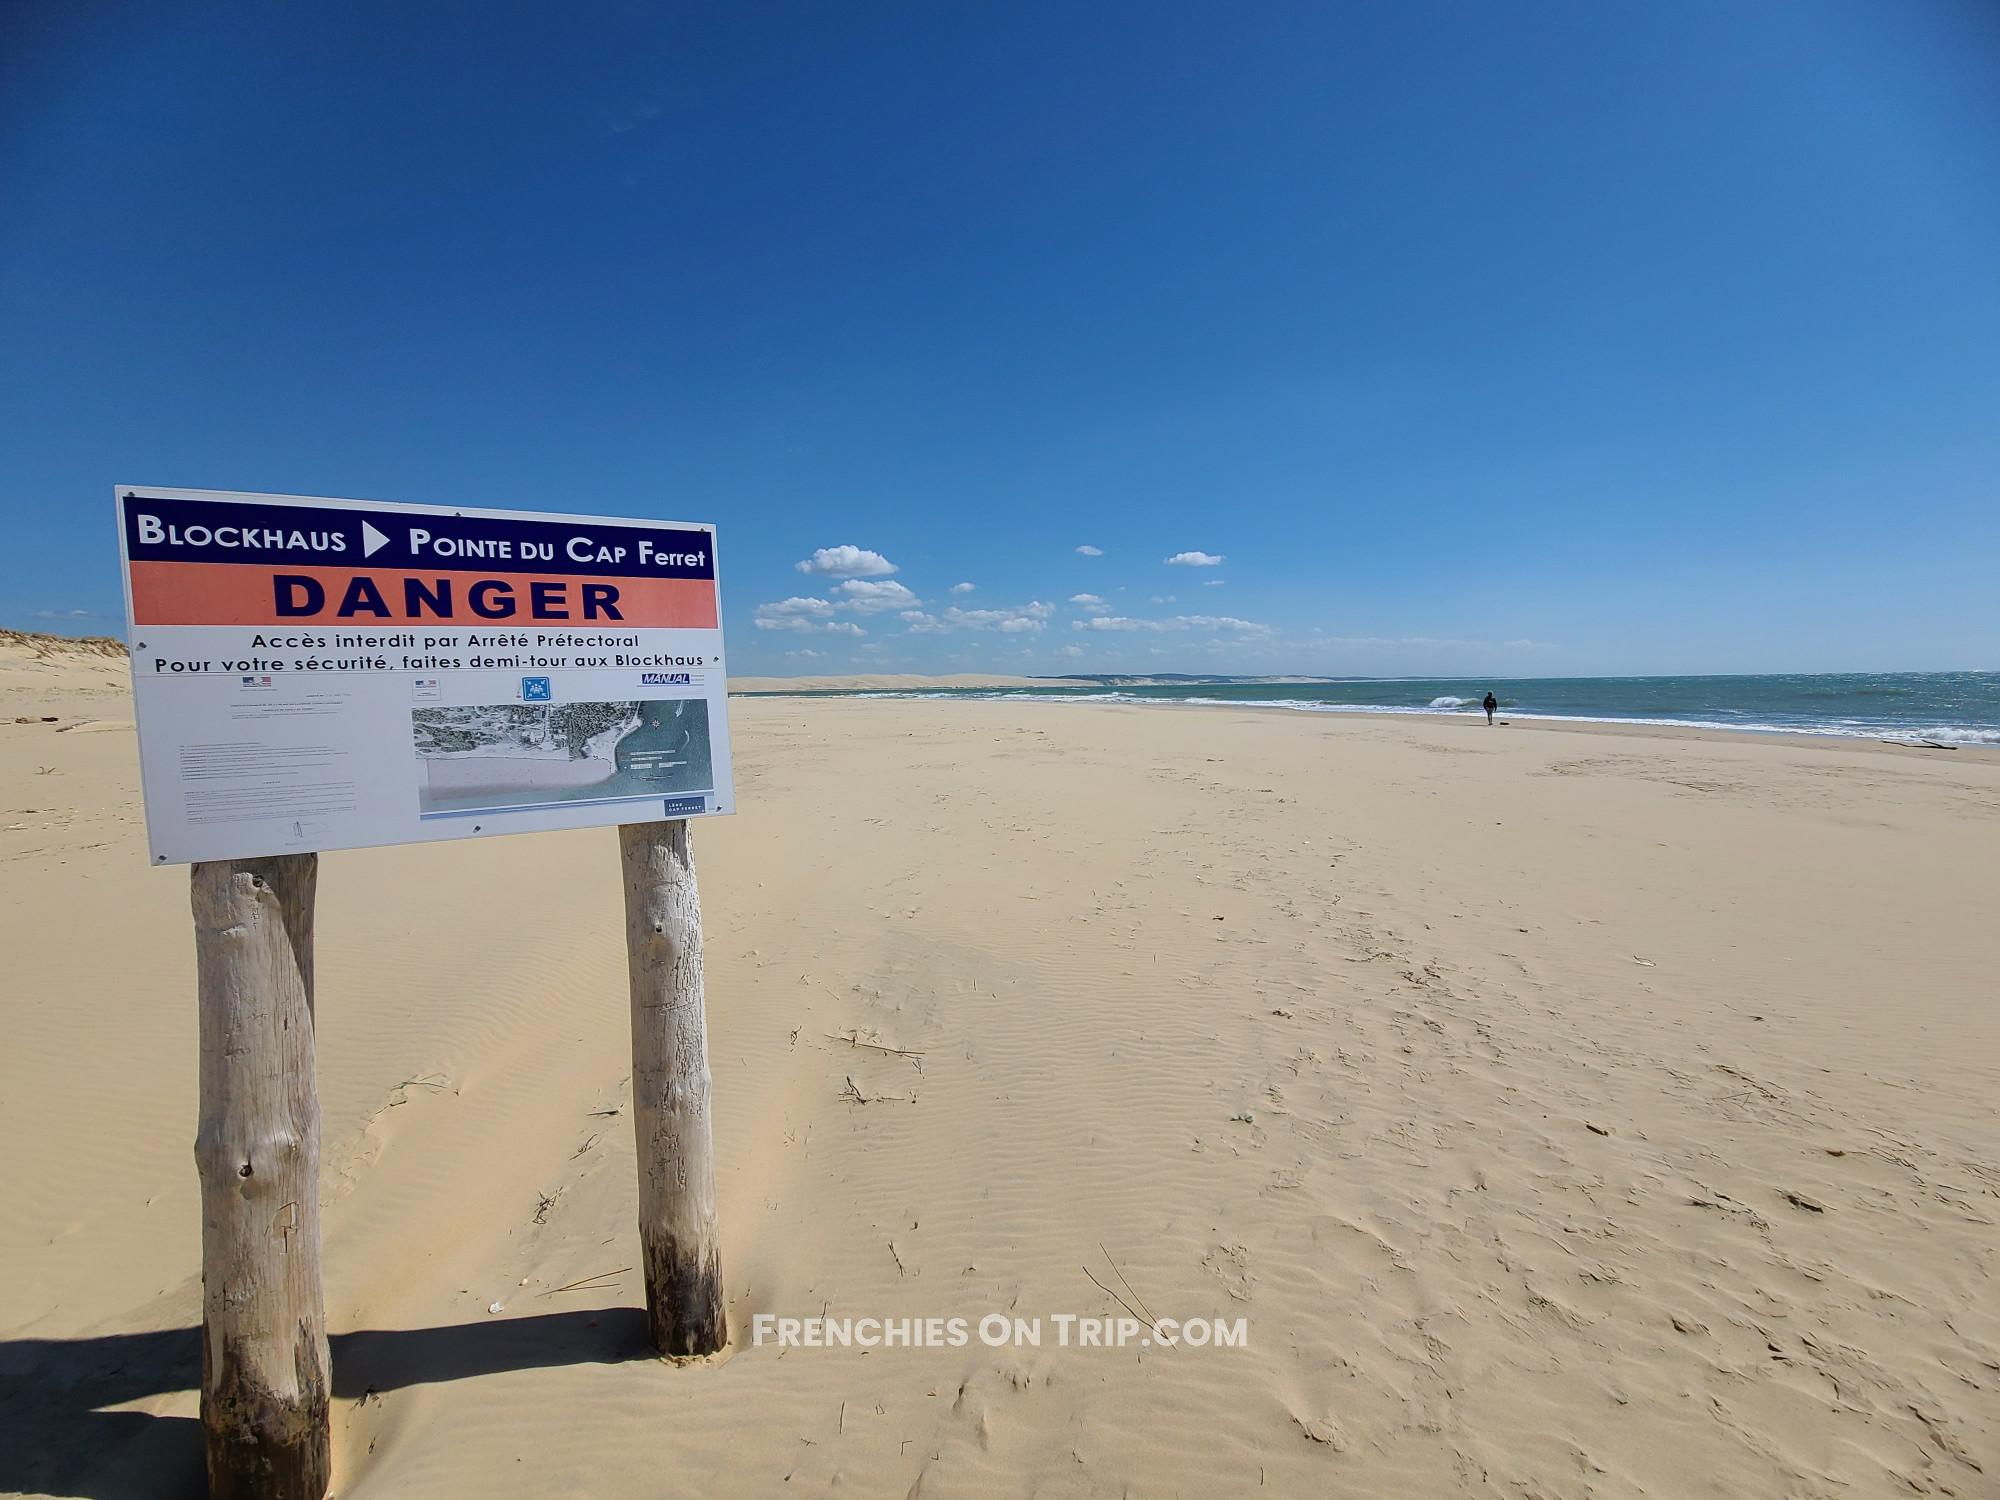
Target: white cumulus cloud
[
  {"x": 962, "y": 588},
  {"x": 1195, "y": 560},
  {"x": 1018, "y": 620},
  {"x": 1086, "y": 550},
  {"x": 846, "y": 561},
  {"x": 1228, "y": 623},
  {"x": 794, "y": 613},
  {"x": 866, "y": 598},
  {"x": 1222, "y": 622},
  {"x": 797, "y": 613}
]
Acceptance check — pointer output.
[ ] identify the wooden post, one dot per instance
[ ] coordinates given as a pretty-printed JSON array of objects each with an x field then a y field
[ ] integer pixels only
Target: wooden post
[
  {"x": 670, "y": 1091},
  {"x": 264, "y": 1382}
]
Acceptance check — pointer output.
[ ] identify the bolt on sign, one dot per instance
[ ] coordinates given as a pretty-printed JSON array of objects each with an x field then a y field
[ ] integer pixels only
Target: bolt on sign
[{"x": 319, "y": 674}]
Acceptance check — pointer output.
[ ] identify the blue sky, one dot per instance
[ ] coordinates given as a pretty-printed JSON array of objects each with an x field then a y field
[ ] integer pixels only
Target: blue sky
[{"x": 1511, "y": 339}]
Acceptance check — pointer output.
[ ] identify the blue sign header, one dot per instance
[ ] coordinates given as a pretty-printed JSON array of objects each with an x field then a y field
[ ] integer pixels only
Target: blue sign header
[{"x": 161, "y": 529}]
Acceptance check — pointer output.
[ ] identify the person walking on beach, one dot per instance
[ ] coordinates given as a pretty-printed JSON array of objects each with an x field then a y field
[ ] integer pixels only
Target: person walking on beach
[{"x": 1489, "y": 705}]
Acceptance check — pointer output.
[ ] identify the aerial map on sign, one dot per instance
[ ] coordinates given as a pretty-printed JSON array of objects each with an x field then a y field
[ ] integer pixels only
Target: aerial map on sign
[
  {"x": 321, "y": 674},
  {"x": 510, "y": 755}
]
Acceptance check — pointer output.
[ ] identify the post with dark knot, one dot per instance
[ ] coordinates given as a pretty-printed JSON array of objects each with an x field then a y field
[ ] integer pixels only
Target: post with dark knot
[
  {"x": 264, "y": 1382},
  {"x": 670, "y": 1091}
]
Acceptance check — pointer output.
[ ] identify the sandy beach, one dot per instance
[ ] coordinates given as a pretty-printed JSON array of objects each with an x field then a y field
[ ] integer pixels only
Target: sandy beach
[{"x": 1565, "y": 1112}]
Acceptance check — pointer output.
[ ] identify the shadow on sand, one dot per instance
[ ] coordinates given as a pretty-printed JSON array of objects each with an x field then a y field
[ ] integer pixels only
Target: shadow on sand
[{"x": 57, "y": 1438}]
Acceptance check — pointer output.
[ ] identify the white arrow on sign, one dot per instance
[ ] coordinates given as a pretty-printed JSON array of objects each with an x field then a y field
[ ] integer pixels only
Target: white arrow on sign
[{"x": 372, "y": 541}]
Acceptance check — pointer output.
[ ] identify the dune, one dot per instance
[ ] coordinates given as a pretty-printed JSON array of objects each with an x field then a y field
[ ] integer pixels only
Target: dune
[
  {"x": 63, "y": 664},
  {"x": 1562, "y": 1113}
]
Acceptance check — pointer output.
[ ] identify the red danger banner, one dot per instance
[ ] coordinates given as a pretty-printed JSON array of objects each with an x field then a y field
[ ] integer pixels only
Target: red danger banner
[{"x": 196, "y": 593}]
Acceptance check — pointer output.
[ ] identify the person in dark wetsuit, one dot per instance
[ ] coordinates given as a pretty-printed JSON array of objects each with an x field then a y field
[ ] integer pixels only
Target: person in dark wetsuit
[{"x": 1489, "y": 705}]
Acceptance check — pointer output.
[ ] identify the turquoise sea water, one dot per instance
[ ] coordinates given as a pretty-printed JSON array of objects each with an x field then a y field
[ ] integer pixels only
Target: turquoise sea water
[{"x": 1960, "y": 708}]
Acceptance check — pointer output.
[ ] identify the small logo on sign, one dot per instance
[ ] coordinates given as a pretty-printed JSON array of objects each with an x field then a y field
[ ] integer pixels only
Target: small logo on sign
[
  {"x": 535, "y": 690},
  {"x": 665, "y": 679},
  {"x": 258, "y": 682},
  {"x": 681, "y": 807}
]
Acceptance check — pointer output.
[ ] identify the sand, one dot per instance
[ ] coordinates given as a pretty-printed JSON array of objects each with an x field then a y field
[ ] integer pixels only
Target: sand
[{"x": 1565, "y": 1113}]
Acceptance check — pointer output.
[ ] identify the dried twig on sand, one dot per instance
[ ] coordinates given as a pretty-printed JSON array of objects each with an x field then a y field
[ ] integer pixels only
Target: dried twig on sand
[
  {"x": 853, "y": 1039},
  {"x": 1113, "y": 1295},
  {"x": 853, "y": 1091},
  {"x": 1145, "y": 1316},
  {"x": 1127, "y": 1285},
  {"x": 589, "y": 1283}
]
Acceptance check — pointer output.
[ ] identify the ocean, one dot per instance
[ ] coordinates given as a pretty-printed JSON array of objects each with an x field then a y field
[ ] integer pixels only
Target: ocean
[{"x": 1954, "y": 708}]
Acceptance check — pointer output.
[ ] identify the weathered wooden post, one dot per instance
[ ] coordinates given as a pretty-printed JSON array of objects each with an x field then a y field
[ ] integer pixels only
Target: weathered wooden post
[
  {"x": 670, "y": 1091},
  {"x": 264, "y": 1385}
]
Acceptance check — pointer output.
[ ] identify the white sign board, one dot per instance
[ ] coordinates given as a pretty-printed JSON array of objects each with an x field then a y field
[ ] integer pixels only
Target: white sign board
[{"x": 326, "y": 674}]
